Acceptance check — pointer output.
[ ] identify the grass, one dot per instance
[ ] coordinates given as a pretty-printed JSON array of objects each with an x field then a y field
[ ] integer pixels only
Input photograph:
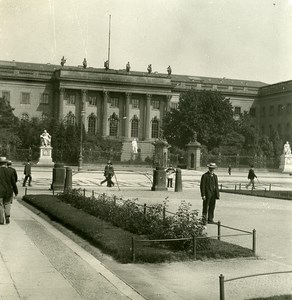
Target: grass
[
  {"x": 285, "y": 195},
  {"x": 118, "y": 242},
  {"x": 281, "y": 297}
]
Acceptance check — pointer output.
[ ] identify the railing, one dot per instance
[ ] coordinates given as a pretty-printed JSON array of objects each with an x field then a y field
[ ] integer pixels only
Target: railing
[{"x": 222, "y": 280}]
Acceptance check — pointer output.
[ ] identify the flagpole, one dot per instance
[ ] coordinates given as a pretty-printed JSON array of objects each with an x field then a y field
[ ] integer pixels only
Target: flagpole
[{"x": 109, "y": 41}]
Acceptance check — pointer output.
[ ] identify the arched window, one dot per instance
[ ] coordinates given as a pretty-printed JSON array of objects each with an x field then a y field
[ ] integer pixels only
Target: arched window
[
  {"x": 70, "y": 119},
  {"x": 155, "y": 128},
  {"x": 114, "y": 121},
  {"x": 91, "y": 124},
  {"x": 24, "y": 117},
  {"x": 134, "y": 126}
]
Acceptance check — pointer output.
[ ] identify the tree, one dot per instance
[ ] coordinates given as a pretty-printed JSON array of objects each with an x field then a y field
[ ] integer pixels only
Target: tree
[
  {"x": 207, "y": 113},
  {"x": 8, "y": 126}
]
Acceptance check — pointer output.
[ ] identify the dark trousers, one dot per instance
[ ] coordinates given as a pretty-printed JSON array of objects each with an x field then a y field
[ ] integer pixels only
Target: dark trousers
[
  {"x": 25, "y": 179},
  {"x": 208, "y": 208},
  {"x": 109, "y": 181}
]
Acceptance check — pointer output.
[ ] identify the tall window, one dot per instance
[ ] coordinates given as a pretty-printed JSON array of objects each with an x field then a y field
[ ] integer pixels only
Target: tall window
[
  {"x": 280, "y": 109},
  {"x": 113, "y": 125},
  {"x": 271, "y": 110},
  {"x": 71, "y": 99},
  {"x": 44, "y": 98},
  {"x": 237, "y": 110},
  {"x": 92, "y": 100},
  {"x": 114, "y": 102},
  {"x": 25, "y": 98},
  {"x": 155, "y": 104},
  {"x": 134, "y": 126},
  {"x": 91, "y": 124},
  {"x": 70, "y": 119},
  {"x": 135, "y": 103},
  {"x": 263, "y": 112},
  {"x": 155, "y": 128},
  {"x": 6, "y": 95},
  {"x": 279, "y": 129},
  {"x": 289, "y": 108}
]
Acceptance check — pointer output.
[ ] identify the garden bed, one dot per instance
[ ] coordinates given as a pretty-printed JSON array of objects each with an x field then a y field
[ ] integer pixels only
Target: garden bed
[
  {"x": 284, "y": 195},
  {"x": 117, "y": 242}
]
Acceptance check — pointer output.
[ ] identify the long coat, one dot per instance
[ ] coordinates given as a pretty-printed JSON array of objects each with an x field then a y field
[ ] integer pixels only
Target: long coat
[
  {"x": 7, "y": 184},
  {"x": 207, "y": 186}
]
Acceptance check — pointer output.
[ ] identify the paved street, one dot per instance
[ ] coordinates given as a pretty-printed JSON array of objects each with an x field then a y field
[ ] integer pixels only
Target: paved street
[{"x": 183, "y": 280}]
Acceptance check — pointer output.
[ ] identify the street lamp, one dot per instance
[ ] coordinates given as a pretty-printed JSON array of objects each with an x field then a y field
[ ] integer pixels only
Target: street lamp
[{"x": 80, "y": 160}]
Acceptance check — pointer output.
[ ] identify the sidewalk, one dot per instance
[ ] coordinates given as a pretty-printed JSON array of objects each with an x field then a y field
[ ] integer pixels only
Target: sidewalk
[{"x": 39, "y": 262}]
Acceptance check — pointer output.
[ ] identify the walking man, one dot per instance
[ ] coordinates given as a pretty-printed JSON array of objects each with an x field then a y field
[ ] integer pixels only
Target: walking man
[
  {"x": 12, "y": 170},
  {"x": 108, "y": 174},
  {"x": 7, "y": 188},
  {"x": 27, "y": 173},
  {"x": 251, "y": 176},
  {"x": 209, "y": 192}
]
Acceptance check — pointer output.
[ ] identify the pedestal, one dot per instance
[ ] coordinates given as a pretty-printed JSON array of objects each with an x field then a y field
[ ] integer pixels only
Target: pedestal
[
  {"x": 286, "y": 163},
  {"x": 159, "y": 180},
  {"x": 46, "y": 156}
]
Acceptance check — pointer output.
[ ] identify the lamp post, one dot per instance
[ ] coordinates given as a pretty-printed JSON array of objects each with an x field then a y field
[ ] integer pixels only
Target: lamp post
[{"x": 80, "y": 160}]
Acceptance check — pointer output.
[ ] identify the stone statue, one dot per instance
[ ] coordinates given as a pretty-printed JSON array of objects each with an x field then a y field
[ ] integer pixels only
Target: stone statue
[
  {"x": 149, "y": 69},
  {"x": 128, "y": 67},
  {"x": 194, "y": 136},
  {"x": 106, "y": 64},
  {"x": 287, "y": 149},
  {"x": 169, "y": 70},
  {"x": 135, "y": 146},
  {"x": 45, "y": 139},
  {"x": 63, "y": 61},
  {"x": 84, "y": 63}
]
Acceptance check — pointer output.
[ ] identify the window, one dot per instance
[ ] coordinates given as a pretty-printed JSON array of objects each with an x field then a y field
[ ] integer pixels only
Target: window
[
  {"x": 279, "y": 129},
  {"x": 24, "y": 117},
  {"x": 70, "y": 119},
  {"x": 114, "y": 102},
  {"x": 113, "y": 125},
  {"x": 6, "y": 95},
  {"x": 280, "y": 109},
  {"x": 271, "y": 110},
  {"x": 134, "y": 127},
  {"x": 155, "y": 104},
  {"x": 135, "y": 103},
  {"x": 71, "y": 99},
  {"x": 263, "y": 112},
  {"x": 155, "y": 129},
  {"x": 91, "y": 124},
  {"x": 288, "y": 108},
  {"x": 44, "y": 99},
  {"x": 92, "y": 100},
  {"x": 237, "y": 110},
  {"x": 252, "y": 111},
  {"x": 25, "y": 98}
]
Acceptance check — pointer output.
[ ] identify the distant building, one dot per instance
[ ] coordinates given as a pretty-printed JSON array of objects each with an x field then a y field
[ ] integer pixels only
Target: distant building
[{"x": 117, "y": 103}]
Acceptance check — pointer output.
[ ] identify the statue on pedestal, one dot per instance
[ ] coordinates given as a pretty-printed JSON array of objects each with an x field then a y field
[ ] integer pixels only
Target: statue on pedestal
[
  {"x": 84, "y": 63},
  {"x": 128, "y": 67},
  {"x": 287, "y": 149},
  {"x": 106, "y": 64},
  {"x": 169, "y": 70},
  {"x": 63, "y": 61},
  {"x": 45, "y": 139},
  {"x": 135, "y": 146},
  {"x": 149, "y": 69}
]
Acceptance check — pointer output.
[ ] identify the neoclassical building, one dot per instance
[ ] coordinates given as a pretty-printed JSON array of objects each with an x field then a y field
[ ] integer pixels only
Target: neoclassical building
[{"x": 129, "y": 104}]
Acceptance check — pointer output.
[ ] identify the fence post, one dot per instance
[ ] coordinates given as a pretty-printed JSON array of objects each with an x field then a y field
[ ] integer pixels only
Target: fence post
[
  {"x": 194, "y": 247},
  {"x": 221, "y": 287},
  {"x": 84, "y": 193},
  {"x": 221, "y": 187},
  {"x": 235, "y": 187},
  {"x": 254, "y": 241},
  {"x": 115, "y": 201},
  {"x": 218, "y": 230},
  {"x": 240, "y": 186},
  {"x": 145, "y": 206},
  {"x": 25, "y": 191},
  {"x": 92, "y": 193},
  {"x": 133, "y": 249},
  {"x": 163, "y": 213},
  {"x": 265, "y": 192},
  {"x": 270, "y": 187}
]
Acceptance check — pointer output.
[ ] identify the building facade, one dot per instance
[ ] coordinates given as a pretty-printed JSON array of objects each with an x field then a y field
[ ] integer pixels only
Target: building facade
[{"x": 127, "y": 104}]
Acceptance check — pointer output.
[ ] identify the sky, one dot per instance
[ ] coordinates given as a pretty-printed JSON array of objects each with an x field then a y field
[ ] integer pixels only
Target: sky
[{"x": 238, "y": 39}]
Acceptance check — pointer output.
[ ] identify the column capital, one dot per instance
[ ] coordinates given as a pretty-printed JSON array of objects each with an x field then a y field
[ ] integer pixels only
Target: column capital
[
  {"x": 128, "y": 94},
  {"x": 62, "y": 90},
  {"x": 106, "y": 93},
  {"x": 84, "y": 92},
  {"x": 149, "y": 96}
]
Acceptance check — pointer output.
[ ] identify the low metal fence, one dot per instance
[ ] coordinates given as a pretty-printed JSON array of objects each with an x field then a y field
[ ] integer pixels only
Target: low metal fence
[{"x": 222, "y": 281}]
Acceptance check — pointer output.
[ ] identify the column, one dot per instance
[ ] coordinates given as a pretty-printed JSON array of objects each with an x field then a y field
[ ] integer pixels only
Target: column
[
  {"x": 83, "y": 107},
  {"x": 105, "y": 116},
  {"x": 61, "y": 104},
  {"x": 147, "y": 123},
  {"x": 127, "y": 115},
  {"x": 168, "y": 98}
]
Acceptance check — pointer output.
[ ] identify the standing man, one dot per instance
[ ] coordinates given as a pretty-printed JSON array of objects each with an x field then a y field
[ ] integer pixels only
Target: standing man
[
  {"x": 7, "y": 187},
  {"x": 108, "y": 174},
  {"x": 27, "y": 173},
  {"x": 209, "y": 192},
  {"x": 12, "y": 170},
  {"x": 251, "y": 176}
]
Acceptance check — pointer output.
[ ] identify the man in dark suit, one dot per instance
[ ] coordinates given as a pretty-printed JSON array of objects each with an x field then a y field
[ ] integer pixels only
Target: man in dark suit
[
  {"x": 108, "y": 174},
  {"x": 27, "y": 173},
  {"x": 210, "y": 192},
  {"x": 7, "y": 188}
]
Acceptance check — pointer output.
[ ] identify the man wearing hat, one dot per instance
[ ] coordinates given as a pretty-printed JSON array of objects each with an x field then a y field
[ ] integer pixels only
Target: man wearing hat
[
  {"x": 7, "y": 187},
  {"x": 108, "y": 174},
  {"x": 210, "y": 192}
]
